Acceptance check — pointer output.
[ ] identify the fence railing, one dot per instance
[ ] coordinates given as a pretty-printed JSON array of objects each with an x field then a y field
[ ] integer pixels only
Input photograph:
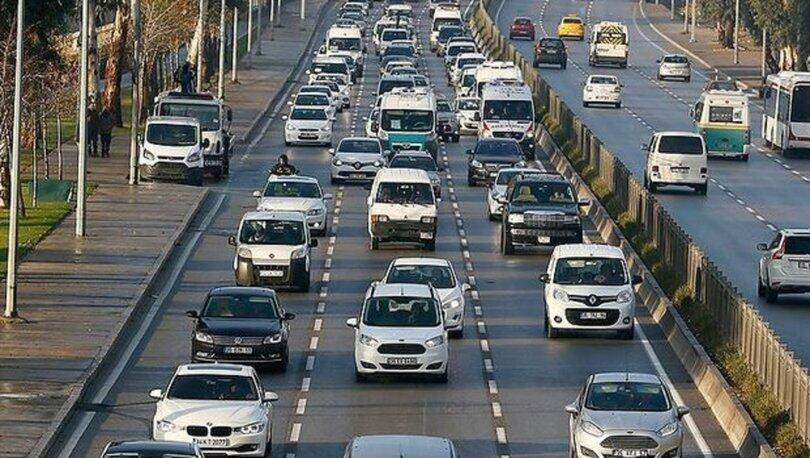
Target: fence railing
[{"x": 738, "y": 323}]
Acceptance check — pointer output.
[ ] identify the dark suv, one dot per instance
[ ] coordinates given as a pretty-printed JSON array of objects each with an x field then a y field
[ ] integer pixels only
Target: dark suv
[
  {"x": 540, "y": 209},
  {"x": 491, "y": 155},
  {"x": 550, "y": 51}
]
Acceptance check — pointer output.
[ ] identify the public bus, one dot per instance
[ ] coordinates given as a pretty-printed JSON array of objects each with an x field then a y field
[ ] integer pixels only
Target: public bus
[{"x": 786, "y": 117}]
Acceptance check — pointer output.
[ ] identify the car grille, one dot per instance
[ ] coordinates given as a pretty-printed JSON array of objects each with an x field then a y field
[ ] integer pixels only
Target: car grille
[
  {"x": 307, "y": 130},
  {"x": 548, "y": 221},
  {"x": 221, "y": 431},
  {"x": 629, "y": 443},
  {"x": 597, "y": 300},
  {"x": 401, "y": 349},
  {"x": 203, "y": 431},
  {"x": 197, "y": 431},
  {"x": 573, "y": 317},
  {"x": 237, "y": 340},
  {"x": 516, "y": 135},
  {"x": 402, "y": 367}
]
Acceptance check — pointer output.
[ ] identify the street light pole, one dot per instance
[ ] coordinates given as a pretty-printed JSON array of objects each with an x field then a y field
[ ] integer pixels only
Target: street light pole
[
  {"x": 134, "y": 120},
  {"x": 11, "y": 263},
  {"x": 694, "y": 21},
  {"x": 304, "y": 10},
  {"x": 671, "y": 9},
  {"x": 82, "y": 166},
  {"x": 259, "y": 30},
  {"x": 737, "y": 32},
  {"x": 250, "y": 34},
  {"x": 686, "y": 16},
  {"x": 235, "y": 44},
  {"x": 201, "y": 42},
  {"x": 764, "y": 51},
  {"x": 222, "y": 44}
]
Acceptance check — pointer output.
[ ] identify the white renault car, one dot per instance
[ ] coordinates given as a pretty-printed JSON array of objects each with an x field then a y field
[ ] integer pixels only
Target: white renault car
[
  {"x": 273, "y": 248},
  {"x": 356, "y": 159},
  {"x": 308, "y": 125},
  {"x": 589, "y": 288},
  {"x": 497, "y": 188},
  {"x": 220, "y": 407},
  {"x": 296, "y": 193},
  {"x": 603, "y": 89},
  {"x": 400, "y": 330},
  {"x": 440, "y": 274}
]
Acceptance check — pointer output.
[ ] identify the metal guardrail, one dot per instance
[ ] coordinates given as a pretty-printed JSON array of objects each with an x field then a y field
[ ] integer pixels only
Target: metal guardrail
[{"x": 738, "y": 322}]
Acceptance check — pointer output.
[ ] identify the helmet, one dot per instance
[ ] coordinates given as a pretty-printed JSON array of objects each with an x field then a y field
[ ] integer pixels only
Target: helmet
[{"x": 283, "y": 159}]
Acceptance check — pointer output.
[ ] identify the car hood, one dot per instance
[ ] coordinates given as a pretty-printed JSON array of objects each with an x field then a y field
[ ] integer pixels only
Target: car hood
[
  {"x": 298, "y": 204},
  {"x": 597, "y": 290},
  {"x": 488, "y": 159},
  {"x": 404, "y": 334},
  {"x": 628, "y": 421},
  {"x": 194, "y": 412},
  {"x": 363, "y": 158},
  {"x": 448, "y": 294},
  {"x": 309, "y": 124},
  {"x": 239, "y": 327},
  {"x": 543, "y": 209},
  {"x": 268, "y": 254},
  {"x": 171, "y": 151}
]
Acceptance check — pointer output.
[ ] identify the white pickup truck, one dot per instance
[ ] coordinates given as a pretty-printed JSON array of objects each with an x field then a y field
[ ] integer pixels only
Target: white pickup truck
[{"x": 607, "y": 44}]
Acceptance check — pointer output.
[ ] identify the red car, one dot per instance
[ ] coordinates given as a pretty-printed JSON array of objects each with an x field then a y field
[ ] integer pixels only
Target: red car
[{"x": 522, "y": 27}]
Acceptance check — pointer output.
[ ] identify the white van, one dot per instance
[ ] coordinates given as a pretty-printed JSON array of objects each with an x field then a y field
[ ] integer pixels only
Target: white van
[
  {"x": 402, "y": 208},
  {"x": 343, "y": 40},
  {"x": 676, "y": 158},
  {"x": 172, "y": 150},
  {"x": 507, "y": 111},
  {"x": 495, "y": 70},
  {"x": 444, "y": 17}
]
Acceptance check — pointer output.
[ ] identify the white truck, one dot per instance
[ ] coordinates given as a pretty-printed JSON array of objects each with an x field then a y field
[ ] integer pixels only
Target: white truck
[{"x": 607, "y": 44}]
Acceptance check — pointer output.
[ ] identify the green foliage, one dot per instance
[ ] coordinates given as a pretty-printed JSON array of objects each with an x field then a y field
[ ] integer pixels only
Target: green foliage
[{"x": 787, "y": 23}]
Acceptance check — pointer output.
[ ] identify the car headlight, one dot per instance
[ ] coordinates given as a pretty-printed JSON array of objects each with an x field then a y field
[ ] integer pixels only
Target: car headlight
[
  {"x": 668, "y": 429},
  {"x": 193, "y": 157},
  {"x": 315, "y": 212},
  {"x": 253, "y": 428},
  {"x": 203, "y": 337},
  {"x": 289, "y": 126},
  {"x": 148, "y": 155},
  {"x": 570, "y": 219},
  {"x": 516, "y": 218},
  {"x": 560, "y": 295},
  {"x": 338, "y": 162},
  {"x": 377, "y": 164},
  {"x": 428, "y": 219},
  {"x": 326, "y": 128},
  {"x": 244, "y": 253},
  {"x": 624, "y": 297},
  {"x": 274, "y": 339},
  {"x": 476, "y": 164},
  {"x": 379, "y": 218},
  {"x": 368, "y": 340},
  {"x": 530, "y": 134},
  {"x": 434, "y": 342},
  {"x": 299, "y": 252},
  {"x": 165, "y": 426},
  {"x": 452, "y": 304},
  {"x": 591, "y": 428}
]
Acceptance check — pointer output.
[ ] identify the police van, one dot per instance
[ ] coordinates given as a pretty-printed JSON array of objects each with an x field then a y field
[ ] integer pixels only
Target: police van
[{"x": 507, "y": 111}]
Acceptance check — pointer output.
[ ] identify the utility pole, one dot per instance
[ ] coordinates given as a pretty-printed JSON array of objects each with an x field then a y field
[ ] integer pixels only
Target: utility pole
[
  {"x": 686, "y": 16},
  {"x": 737, "y": 32},
  {"x": 250, "y": 34},
  {"x": 259, "y": 30},
  {"x": 235, "y": 44},
  {"x": 11, "y": 263},
  {"x": 82, "y": 166},
  {"x": 272, "y": 18},
  {"x": 201, "y": 42},
  {"x": 134, "y": 122},
  {"x": 304, "y": 10},
  {"x": 764, "y": 52},
  {"x": 222, "y": 44},
  {"x": 671, "y": 9},
  {"x": 694, "y": 21}
]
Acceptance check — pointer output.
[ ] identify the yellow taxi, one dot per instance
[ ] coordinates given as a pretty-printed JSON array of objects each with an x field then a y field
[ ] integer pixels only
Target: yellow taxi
[{"x": 571, "y": 27}]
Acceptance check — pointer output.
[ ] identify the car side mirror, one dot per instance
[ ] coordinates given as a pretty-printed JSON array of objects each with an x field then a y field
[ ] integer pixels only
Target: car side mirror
[
  {"x": 352, "y": 323},
  {"x": 231, "y": 240},
  {"x": 270, "y": 396},
  {"x": 657, "y": 61},
  {"x": 313, "y": 243},
  {"x": 584, "y": 202},
  {"x": 308, "y": 72},
  {"x": 572, "y": 409},
  {"x": 328, "y": 196},
  {"x": 637, "y": 279},
  {"x": 229, "y": 114},
  {"x": 682, "y": 411},
  {"x": 465, "y": 287},
  {"x": 206, "y": 143},
  {"x": 257, "y": 194},
  {"x": 545, "y": 278},
  {"x": 645, "y": 147},
  {"x": 284, "y": 117},
  {"x": 156, "y": 394},
  {"x": 192, "y": 314},
  {"x": 469, "y": 152},
  {"x": 332, "y": 151},
  {"x": 289, "y": 316}
]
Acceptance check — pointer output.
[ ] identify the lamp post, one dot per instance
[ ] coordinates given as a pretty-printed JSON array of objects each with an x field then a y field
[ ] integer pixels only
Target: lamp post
[
  {"x": 694, "y": 21},
  {"x": 737, "y": 32},
  {"x": 134, "y": 123},
  {"x": 221, "y": 71},
  {"x": 82, "y": 162}
]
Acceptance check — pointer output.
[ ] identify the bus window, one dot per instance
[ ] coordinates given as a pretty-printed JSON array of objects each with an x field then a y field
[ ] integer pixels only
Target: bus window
[
  {"x": 784, "y": 106},
  {"x": 800, "y": 109}
]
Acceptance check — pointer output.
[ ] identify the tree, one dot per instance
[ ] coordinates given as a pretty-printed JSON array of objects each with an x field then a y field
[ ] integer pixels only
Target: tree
[
  {"x": 115, "y": 61},
  {"x": 788, "y": 26}
]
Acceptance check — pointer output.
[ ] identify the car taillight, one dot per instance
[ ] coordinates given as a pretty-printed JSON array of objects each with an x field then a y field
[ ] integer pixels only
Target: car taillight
[
  {"x": 790, "y": 134},
  {"x": 779, "y": 251},
  {"x": 704, "y": 170},
  {"x": 617, "y": 89},
  {"x": 655, "y": 169}
]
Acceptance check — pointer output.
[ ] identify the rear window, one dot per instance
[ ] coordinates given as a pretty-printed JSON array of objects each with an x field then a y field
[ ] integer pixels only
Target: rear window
[
  {"x": 522, "y": 21},
  {"x": 672, "y": 144},
  {"x": 572, "y": 20},
  {"x": 549, "y": 43},
  {"x": 675, "y": 60},
  {"x": 603, "y": 80},
  {"x": 797, "y": 245},
  {"x": 726, "y": 114}
]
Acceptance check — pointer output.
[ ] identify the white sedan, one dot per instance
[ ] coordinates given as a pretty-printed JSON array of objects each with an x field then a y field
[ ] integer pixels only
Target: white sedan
[
  {"x": 308, "y": 125},
  {"x": 602, "y": 89},
  {"x": 296, "y": 193},
  {"x": 220, "y": 407}
]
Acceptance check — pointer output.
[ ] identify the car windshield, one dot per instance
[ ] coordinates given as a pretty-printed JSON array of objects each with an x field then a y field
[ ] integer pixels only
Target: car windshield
[
  {"x": 438, "y": 276},
  {"x": 315, "y": 90},
  {"x": 515, "y": 110},
  {"x": 549, "y": 43},
  {"x": 462, "y": 62},
  {"x": 399, "y": 50},
  {"x": 308, "y": 114},
  {"x": 498, "y": 148},
  {"x": 673, "y": 144},
  {"x": 240, "y": 306},
  {"x": 208, "y": 115},
  {"x": 603, "y": 80},
  {"x": 418, "y": 312},
  {"x": 425, "y": 163},
  {"x": 391, "y": 35},
  {"x": 272, "y": 232},
  {"x": 407, "y": 120},
  {"x": 171, "y": 135},
  {"x": 722, "y": 86},
  {"x": 627, "y": 396},
  {"x": 209, "y": 387},
  {"x": 572, "y": 20},
  {"x": 504, "y": 176},
  {"x": 329, "y": 67},
  {"x": 303, "y": 189},
  {"x": 444, "y": 106},
  {"x": 542, "y": 192},
  {"x": 800, "y": 105},
  {"x": 675, "y": 60},
  {"x": 456, "y": 50},
  {"x": 797, "y": 245},
  {"x": 523, "y": 21},
  {"x": 311, "y": 100},
  {"x": 468, "y": 104},
  {"x": 448, "y": 27},
  {"x": 732, "y": 115},
  {"x": 590, "y": 271},
  {"x": 147, "y": 454},
  {"x": 388, "y": 85},
  {"x": 345, "y": 44},
  {"x": 403, "y": 70},
  {"x": 405, "y": 193},
  {"x": 359, "y": 146}
]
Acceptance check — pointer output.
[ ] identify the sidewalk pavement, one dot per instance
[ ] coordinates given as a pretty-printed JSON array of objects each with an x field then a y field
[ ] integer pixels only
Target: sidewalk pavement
[
  {"x": 77, "y": 294},
  {"x": 706, "y": 50}
]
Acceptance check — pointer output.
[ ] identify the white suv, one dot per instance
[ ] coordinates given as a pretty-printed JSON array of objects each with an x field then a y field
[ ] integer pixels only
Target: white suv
[
  {"x": 220, "y": 407},
  {"x": 785, "y": 264},
  {"x": 296, "y": 193},
  {"x": 602, "y": 89},
  {"x": 402, "y": 208},
  {"x": 400, "y": 330},
  {"x": 588, "y": 287},
  {"x": 440, "y": 274},
  {"x": 273, "y": 248}
]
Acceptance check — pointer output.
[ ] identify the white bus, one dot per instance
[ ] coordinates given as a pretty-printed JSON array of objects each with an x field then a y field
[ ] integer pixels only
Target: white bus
[{"x": 786, "y": 117}]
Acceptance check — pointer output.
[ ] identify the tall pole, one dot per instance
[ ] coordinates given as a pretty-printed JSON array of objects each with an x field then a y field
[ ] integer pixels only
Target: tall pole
[
  {"x": 250, "y": 34},
  {"x": 672, "y": 9},
  {"x": 135, "y": 112},
  {"x": 222, "y": 44},
  {"x": 303, "y": 10},
  {"x": 764, "y": 51},
  {"x": 82, "y": 169},
  {"x": 272, "y": 18},
  {"x": 14, "y": 204},
  {"x": 201, "y": 43},
  {"x": 686, "y": 16},
  {"x": 235, "y": 44},
  {"x": 737, "y": 32},
  {"x": 694, "y": 21},
  {"x": 259, "y": 30}
]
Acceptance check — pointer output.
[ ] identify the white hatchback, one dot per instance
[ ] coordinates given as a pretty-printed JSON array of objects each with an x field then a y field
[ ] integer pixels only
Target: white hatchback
[
  {"x": 296, "y": 193},
  {"x": 603, "y": 89},
  {"x": 308, "y": 125}
]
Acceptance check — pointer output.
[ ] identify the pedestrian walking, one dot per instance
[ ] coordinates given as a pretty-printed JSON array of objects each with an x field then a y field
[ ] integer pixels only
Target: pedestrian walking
[
  {"x": 92, "y": 131},
  {"x": 105, "y": 128},
  {"x": 185, "y": 78}
]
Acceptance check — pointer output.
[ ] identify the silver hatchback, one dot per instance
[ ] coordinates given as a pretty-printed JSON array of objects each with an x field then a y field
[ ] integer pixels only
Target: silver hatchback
[
  {"x": 391, "y": 446},
  {"x": 356, "y": 159}
]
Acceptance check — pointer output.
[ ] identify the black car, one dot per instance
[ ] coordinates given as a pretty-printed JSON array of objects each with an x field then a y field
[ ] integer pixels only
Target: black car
[
  {"x": 540, "y": 209},
  {"x": 151, "y": 449},
  {"x": 550, "y": 51},
  {"x": 490, "y": 155},
  {"x": 244, "y": 325}
]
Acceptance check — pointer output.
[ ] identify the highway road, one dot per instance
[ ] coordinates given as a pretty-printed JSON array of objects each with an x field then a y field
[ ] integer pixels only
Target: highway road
[
  {"x": 508, "y": 384},
  {"x": 746, "y": 202}
]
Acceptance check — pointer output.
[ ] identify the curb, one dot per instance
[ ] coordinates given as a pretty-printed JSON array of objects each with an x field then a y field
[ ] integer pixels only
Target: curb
[{"x": 117, "y": 338}]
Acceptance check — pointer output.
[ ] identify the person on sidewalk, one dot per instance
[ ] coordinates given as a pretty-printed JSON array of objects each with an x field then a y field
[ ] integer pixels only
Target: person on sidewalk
[
  {"x": 105, "y": 128},
  {"x": 185, "y": 78},
  {"x": 92, "y": 131}
]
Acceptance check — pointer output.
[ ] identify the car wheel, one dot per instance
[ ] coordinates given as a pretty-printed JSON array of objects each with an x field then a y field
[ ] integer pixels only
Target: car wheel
[
  {"x": 456, "y": 334},
  {"x": 281, "y": 366},
  {"x": 490, "y": 216},
  {"x": 334, "y": 180},
  {"x": 536, "y": 64},
  {"x": 507, "y": 247},
  {"x": 287, "y": 143},
  {"x": 551, "y": 331},
  {"x": 618, "y": 104},
  {"x": 702, "y": 189},
  {"x": 455, "y": 138},
  {"x": 627, "y": 334},
  {"x": 659, "y": 77},
  {"x": 470, "y": 181},
  {"x": 760, "y": 287},
  {"x": 585, "y": 104},
  {"x": 375, "y": 243},
  {"x": 444, "y": 376},
  {"x": 744, "y": 158},
  {"x": 771, "y": 295},
  {"x": 688, "y": 79},
  {"x": 563, "y": 66}
]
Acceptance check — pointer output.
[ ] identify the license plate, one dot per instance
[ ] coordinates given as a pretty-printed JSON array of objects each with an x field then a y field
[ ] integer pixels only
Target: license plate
[
  {"x": 238, "y": 350},
  {"x": 596, "y": 316},
  {"x": 210, "y": 442},
  {"x": 309, "y": 136},
  {"x": 357, "y": 175},
  {"x": 680, "y": 170},
  {"x": 425, "y": 235},
  {"x": 630, "y": 453},
  {"x": 543, "y": 239},
  {"x": 401, "y": 361},
  {"x": 271, "y": 273},
  {"x": 804, "y": 264},
  {"x": 211, "y": 163}
]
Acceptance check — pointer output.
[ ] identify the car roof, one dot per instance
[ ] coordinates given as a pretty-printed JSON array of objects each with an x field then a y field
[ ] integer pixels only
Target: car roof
[
  {"x": 254, "y": 290},
  {"x": 626, "y": 377},
  {"x": 420, "y": 261},
  {"x": 178, "y": 120},
  {"x": 151, "y": 446},
  {"x": 527, "y": 170},
  {"x": 213, "y": 369},
  {"x": 677, "y": 133},
  {"x": 789, "y": 232},
  {"x": 541, "y": 177},
  {"x": 588, "y": 250},
  {"x": 402, "y": 289},
  {"x": 402, "y": 176},
  {"x": 293, "y": 178},
  {"x": 360, "y": 139},
  {"x": 275, "y": 215},
  {"x": 401, "y": 446},
  {"x": 411, "y": 153}
]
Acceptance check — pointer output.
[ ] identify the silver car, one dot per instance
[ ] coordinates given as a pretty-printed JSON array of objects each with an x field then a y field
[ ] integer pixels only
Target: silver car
[
  {"x": 446, "y": 121},
  {"x": 621, "y": 414},
  {"x": 674, "y": 66},
  {"x": 356, "y": 159},
  {"x": 400, "y": 447}
]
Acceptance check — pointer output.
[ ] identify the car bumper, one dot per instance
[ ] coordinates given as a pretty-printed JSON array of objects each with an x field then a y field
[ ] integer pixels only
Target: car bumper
[
  {"x": 533, "y": 236},
  {"x": 575, "y": 315},
  {"x": 265, "y": 353},
  {"x": 522, "y": 33},
  {"x": 746, "y": 151},
  {"x": 307, "y": 137},
  {"x": 351, "y": 173},
  {"x": 666, "y": 447},
  {"x": 674, "y": 73},
  {"x": 404, "y": 231},
  {"x": 170, "y": 171},
  {"x": 609, "y": 59},
  {"x": 665, "y": 179},
  {"x": 454, "y": 318},
  {"x": 269, "y": 274},
  {"x": 237, "y": 445},
  {"x": 601, "y": 98},
  {"x": 788, "y": 283},
  {"x": 368, "y": 360},
  {"x": 546, "y": 58}
]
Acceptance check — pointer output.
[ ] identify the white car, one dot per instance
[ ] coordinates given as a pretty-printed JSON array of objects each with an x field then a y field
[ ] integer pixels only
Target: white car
[
  {"x": 468, "y": 114},
  {"x": 340, "y": 79},
  {"x": 220, "y": 407},
  {"x": 784, "y": 267},
  {"x": 311, "y": 100},
  {"x": 296, "y": 193},
  {"x": 402, "y": 207},
  {"x": 497, "y": 189},
  {"x": 588, "y": 287},
  {"x": 676, "y": 158},
  {"x": 337, "y": 101},
  {"x": 440, "y": 274},
  {"x": 602, "y": 89},
  {"x": 356, "y": 159},
  {"x": 273, "y": 248},
  {"x": 674, "y": 66},
  {"x": 172, "y": 149},
  {"x": 308, "y": 125},
  {"x": 400, "y": 330}
]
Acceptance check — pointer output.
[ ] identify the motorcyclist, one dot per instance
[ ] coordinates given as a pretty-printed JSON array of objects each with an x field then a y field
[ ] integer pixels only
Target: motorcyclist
[{"x": 283, "y": 167}]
